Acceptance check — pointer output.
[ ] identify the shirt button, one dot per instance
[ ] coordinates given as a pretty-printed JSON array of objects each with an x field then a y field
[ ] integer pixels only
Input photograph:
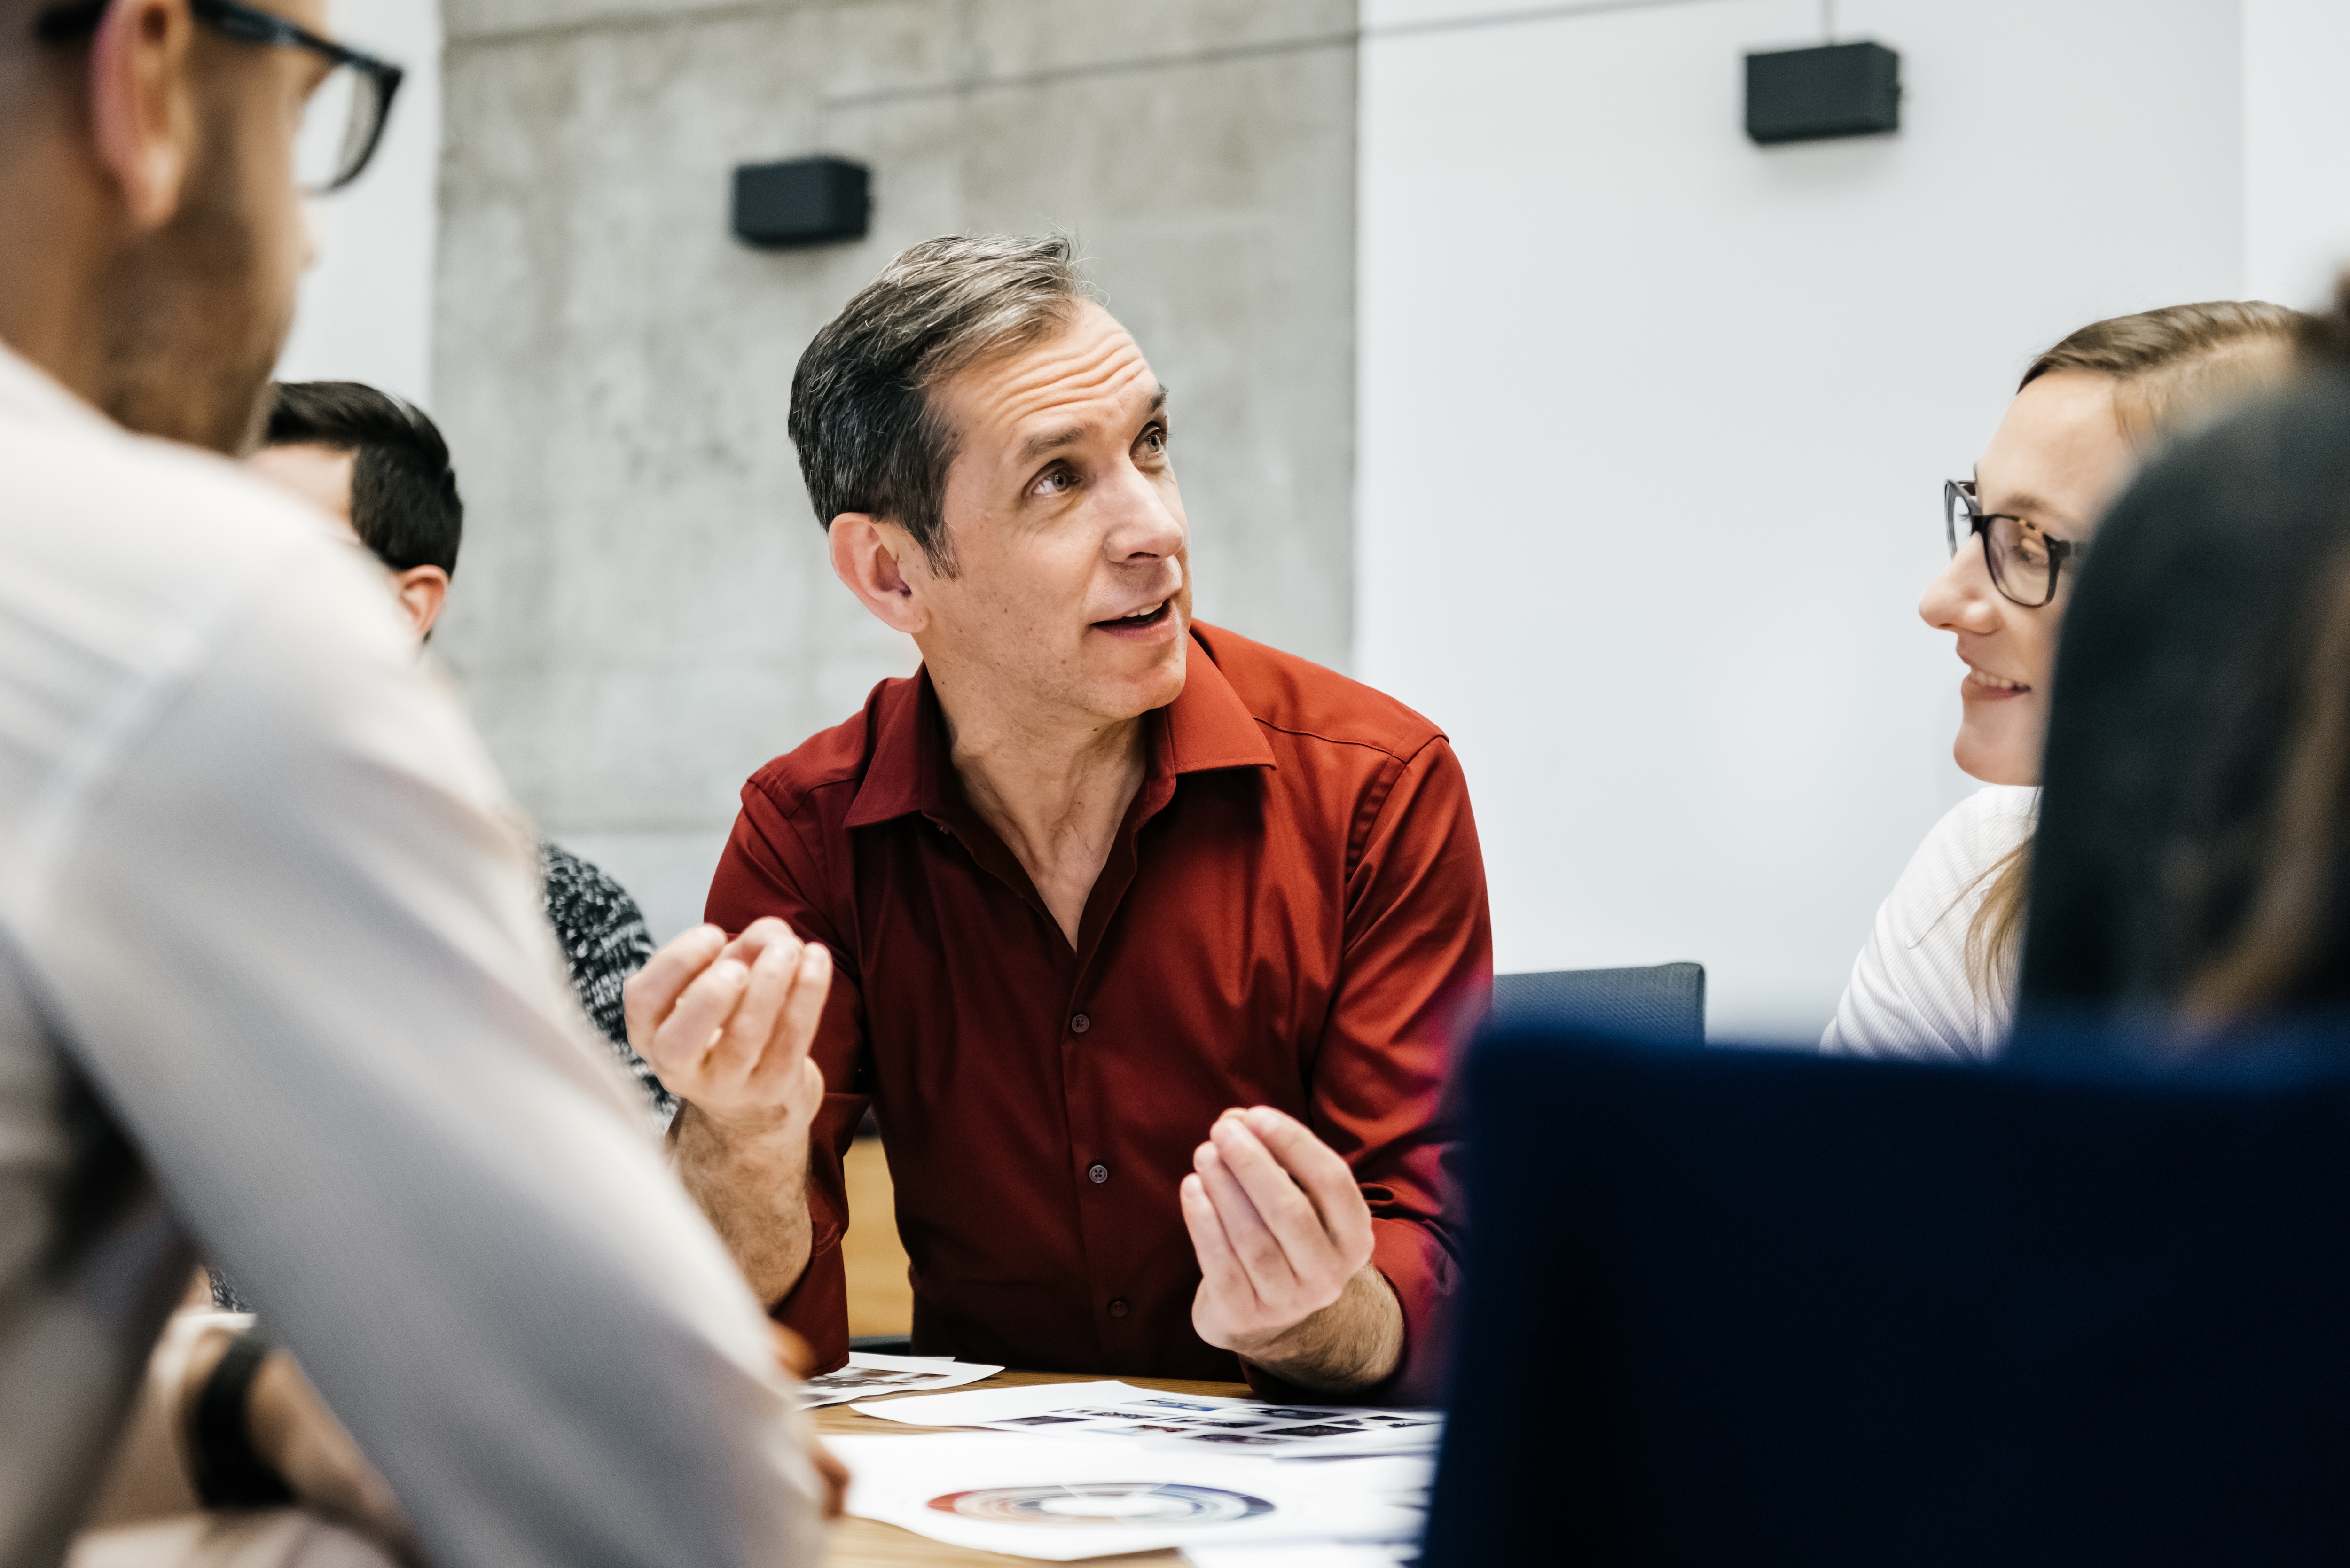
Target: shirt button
[
  {"x": 1080, "y": 1024},
  {"x": 1098, "y": 1174},
  {"x": 1119, "y": 1307}
]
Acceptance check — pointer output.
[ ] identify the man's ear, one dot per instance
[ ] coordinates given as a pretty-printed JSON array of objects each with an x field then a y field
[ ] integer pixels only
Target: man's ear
[
  {"x": 883, "y": 567},
  {"x": 423, "y": 591},
  {"x": 142, "y": 105}
]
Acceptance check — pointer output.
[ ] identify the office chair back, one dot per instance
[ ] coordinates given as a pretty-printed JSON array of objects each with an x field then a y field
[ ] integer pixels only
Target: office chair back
[
  {"x": 1726, "y": 1307},
  {"x": 1662, "y": 1001}
]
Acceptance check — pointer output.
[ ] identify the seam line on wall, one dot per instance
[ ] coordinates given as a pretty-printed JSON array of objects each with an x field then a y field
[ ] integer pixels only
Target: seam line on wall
[
  {"x": 623, "y": 22},
  {"x": 1353, "y": 36},
  {"x": 1516, "y": 15},
  {"x": 1190, "y": 58}
]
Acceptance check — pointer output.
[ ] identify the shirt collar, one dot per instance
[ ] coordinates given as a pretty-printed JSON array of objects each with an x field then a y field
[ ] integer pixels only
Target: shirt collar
[
  {"x": 905, "y": 720},
  {"x": 1206, "y": 728}
]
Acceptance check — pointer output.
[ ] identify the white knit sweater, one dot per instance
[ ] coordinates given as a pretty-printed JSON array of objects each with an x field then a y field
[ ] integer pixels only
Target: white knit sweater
[{"x": 1910, "y": 993}]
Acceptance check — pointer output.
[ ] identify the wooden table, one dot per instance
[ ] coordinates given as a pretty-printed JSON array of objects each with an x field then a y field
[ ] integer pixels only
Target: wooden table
[{"x": 870, "y": 1544}]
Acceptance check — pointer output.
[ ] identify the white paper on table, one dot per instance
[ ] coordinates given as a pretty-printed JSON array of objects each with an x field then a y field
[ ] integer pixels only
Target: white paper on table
[
  {"x": 1301, "y": 1554},
  {"x": 984, "y": 1405},
  {"x": 1118, "y": 1409},
  {"x": 867, "y": 1375},
  {"x": 1063, "y": 1500}
]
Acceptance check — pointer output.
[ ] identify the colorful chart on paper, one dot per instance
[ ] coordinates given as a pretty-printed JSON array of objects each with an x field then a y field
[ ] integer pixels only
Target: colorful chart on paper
[{"x": 1097, "y": 1503}]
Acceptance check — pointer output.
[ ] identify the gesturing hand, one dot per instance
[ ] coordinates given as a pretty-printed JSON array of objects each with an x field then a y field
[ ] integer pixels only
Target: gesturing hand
[
  {"x": 727, "y": 1025},
  {"x": 1285, "y": 1244}
]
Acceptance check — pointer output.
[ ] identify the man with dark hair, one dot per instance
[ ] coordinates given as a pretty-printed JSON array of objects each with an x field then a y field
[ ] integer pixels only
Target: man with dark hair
[
  {"x": 378, "y": 465},
  {"x": 377, "y": 462},
  {"x": 264, "y": 905},
  {"x": 1143, "y": 938}
]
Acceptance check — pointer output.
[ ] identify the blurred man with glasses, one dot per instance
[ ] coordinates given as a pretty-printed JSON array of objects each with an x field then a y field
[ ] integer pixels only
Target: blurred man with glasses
[{"x": 263, "y": 903}]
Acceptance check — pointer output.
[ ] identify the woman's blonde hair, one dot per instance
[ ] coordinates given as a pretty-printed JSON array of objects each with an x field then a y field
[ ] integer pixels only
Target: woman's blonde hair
[{"x": 2172, "y": 369}]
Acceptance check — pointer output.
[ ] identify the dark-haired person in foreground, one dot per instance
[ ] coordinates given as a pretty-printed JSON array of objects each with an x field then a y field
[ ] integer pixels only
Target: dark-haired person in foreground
[
  {"x": 2195, "y": 821},
  {"x": 1145, "y": 937},
  {"x": 273, "y": 970},
  {"x": 379, "y": 466}
]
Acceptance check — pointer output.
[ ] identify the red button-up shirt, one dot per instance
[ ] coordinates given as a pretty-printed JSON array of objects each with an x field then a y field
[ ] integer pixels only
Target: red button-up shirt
[{"x": 1293, "y": 914}]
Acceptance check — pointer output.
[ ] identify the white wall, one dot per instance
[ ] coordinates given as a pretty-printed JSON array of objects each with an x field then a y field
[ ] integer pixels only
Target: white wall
[
  {"x": 366, "y": 312},
  {"x": 1653, "y": 424},
  {"x": 2296, "y": 149}
]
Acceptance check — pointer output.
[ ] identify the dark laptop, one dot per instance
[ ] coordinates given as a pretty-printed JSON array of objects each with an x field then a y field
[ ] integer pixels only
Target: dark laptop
[{"x": 1732, "y": 1307}]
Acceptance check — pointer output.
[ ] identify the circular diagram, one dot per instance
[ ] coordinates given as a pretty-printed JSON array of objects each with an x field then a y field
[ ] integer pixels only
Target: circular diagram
[{"x": 1099, "y": 1503}]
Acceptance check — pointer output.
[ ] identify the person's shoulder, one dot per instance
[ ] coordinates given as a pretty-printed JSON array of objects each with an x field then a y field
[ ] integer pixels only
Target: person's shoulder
[
  {"x": 169, "y": 504},
  {"x": 1981, "y": 828},
  {"x": 1951, "y": 870},
  {"x": 1914, "y": 991},
  {"x": 154, "y": 550},
  {"x": 1311, "y": 702},
  {"x": 152, "y": 559},
  {"x": 831, "y": 763}
]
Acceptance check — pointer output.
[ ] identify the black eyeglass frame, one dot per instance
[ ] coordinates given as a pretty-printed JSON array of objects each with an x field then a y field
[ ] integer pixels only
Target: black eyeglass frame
[
  {"x": 249, "y": 24},
  {"x": 1959, "y": 496}
]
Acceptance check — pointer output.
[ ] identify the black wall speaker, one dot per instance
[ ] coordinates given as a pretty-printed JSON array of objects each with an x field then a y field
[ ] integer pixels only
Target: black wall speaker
[
  {"x": 1813, "y": 95},
  {"x": 804, "y": 201}
]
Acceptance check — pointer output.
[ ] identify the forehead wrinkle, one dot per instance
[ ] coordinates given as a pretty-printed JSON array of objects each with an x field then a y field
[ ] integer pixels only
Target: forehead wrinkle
[
  {"x": 1085, "y": 367},
  {"x": 1048, "y": 396},
  {"x": 1091, "y": 361},
  {"x": 1071, "y": 434},
  {"x": 1051, "y": 386}
]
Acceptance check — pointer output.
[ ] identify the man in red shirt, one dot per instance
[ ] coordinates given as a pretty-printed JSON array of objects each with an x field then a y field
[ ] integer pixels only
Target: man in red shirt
[{"x": 1142, "y": 938}]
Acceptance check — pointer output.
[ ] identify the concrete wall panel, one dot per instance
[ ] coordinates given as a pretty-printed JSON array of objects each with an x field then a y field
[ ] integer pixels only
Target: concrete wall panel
[{"x": 644, "y": 612}]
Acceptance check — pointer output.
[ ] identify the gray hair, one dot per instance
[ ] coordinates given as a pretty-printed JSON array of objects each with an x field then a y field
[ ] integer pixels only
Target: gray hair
[{"x": 869, "y": 437}]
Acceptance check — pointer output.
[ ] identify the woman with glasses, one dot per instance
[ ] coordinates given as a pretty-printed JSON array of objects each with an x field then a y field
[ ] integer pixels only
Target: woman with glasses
[{"x": 1936, "y": 980}]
